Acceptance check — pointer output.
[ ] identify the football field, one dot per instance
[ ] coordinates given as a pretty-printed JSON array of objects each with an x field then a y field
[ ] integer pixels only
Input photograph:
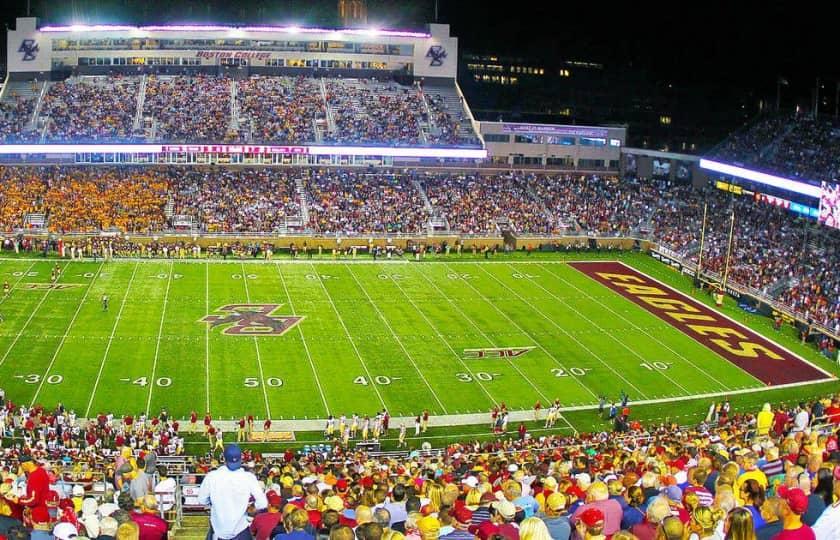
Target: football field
[{"x": 300, "y": 339}]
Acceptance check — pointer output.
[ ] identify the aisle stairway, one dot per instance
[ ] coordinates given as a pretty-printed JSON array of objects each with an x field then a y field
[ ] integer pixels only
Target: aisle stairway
[{"x": 193, "y": 527}]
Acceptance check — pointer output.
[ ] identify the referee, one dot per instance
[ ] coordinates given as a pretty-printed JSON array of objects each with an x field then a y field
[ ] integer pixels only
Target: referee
[{"x": 228, "y": 491}]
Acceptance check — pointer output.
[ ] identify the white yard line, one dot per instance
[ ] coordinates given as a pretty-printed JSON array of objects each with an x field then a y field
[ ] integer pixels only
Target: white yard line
[
  {"x": 563, "y": 330},
  {"x": 110, "y": 341},
  {"x": 664, "y": 345},
  {"x": 305, "y": 346},
  {"x": 398, "y": 340},
  {"x": 349, "y": 337},
  {"x": 31, "y": 316},
  {"x": 257, "y": 346},
  {"x": 64, "y": 337},
  {"x": 157, "y": 341},
  {"x": 446, "y": 342},
  {"x": 207, "y": 338},
  {"x": 480, "y": 331},
  {"x": 530, "y": 336},
  {"x": 601, "y": 329}
]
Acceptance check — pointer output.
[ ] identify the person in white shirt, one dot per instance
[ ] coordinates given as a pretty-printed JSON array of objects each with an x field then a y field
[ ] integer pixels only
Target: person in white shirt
[
  {"x": 165, "y": 490},
  {"x": 228, "y": 491},
  {"x": 801, "y": 420},
  {"x": 827, "y": 526}
]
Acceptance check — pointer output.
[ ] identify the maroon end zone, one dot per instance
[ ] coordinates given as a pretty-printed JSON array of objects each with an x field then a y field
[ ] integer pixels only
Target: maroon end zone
[{"x": 749, "y": 351}]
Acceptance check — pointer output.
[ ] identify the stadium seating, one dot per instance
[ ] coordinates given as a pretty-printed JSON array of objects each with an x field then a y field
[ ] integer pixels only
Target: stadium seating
[
  {"x": 214, "y": 109},
  {"x": 793, "y": 146},
  {"x": 635, "y": 476}
]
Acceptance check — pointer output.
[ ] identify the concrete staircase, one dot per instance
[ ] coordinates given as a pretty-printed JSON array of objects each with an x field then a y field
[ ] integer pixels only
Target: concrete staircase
[
  {"x": 193, "y": 527},
  {"x": 141, "y": 100},
  {"x": 302, "y": 198}
]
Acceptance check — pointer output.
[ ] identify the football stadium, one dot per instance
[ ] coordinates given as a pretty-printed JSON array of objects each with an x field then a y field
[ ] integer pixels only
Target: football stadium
[{"x": 275, "y": 280}]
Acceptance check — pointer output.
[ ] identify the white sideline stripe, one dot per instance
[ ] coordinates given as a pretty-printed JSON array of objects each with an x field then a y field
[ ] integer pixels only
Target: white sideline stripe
[
  {"x": 110, "y": 341},
  {"x": 64, "y": 337},
  {"x": 565, "y": 332},
  {"x": 157, "y": 342},
  {"x": 31, "y": 315},
  {"x": 305, "y": 345},
  {"x": 530, "y": 336},
  {"x": 733, "y": 321},
  {"x": 602, "y": 330},
  {"x": 257, "y": 346},
  {"x": 349, "y": 337},
  {"x": 207, "y": 338},
  {"x": 645, "y": 332},
  {"x": 12, "y": 287},
  {"x": 399, "y": 342},
  {"x": 317, "y": 424},
  {"x": 480, "y": 331},
  {"x": 445, "y": 341}
]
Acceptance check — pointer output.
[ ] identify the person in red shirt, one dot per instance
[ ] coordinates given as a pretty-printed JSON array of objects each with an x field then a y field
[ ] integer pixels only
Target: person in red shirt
[
  {"x": 193, "y": 421},
  {"x": 37, "y": 485},
  {"x": 796, "y": 504},
  {"x": 207, "y": 421},
  {"x": 266, "y": 428},
  {"x": 264, "y": 523},
  {"x": 832, "y": 412},
  {"x": 240, "y": 433},
  {"x": 152, "y": 526}
]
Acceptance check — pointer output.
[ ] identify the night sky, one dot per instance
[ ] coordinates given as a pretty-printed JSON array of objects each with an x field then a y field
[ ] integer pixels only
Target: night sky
[{"x": 744, "y": 44}]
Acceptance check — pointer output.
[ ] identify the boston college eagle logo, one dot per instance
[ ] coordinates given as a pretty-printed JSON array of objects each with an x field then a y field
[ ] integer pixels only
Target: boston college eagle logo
[
  {"x": 29, "y": 48},
  {"x": 251, "y": 320},
  {"x": 437, "y": 53}
]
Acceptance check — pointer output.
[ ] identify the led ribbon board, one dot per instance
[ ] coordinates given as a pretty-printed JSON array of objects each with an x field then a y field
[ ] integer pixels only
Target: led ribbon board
[
  {"x": 384, "y": 151},
  {"x": 762, "y": 178}
]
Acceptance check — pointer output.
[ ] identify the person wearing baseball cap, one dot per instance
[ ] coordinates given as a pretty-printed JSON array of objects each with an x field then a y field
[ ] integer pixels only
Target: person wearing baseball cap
[
  {"x": 502, "y": 514},
  {"x": 265, "y": 522},
  {"x": 796, "y": 504},
  {"x": 555, "y": 517},
  {"x": 590, "y": 525},
  {"x": 37, "y": 484},
  {"x": 598, "y": 496},
  {"x": 228, "y": 491}
]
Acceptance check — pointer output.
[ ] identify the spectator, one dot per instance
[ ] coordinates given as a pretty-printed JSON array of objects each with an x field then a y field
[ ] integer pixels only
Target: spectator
[
  {"x": 228, "y": 490},
  {"x": 148, "y": 519},
  {"x": 794, "y": 507},
  {"x": 739, "y": 525}
]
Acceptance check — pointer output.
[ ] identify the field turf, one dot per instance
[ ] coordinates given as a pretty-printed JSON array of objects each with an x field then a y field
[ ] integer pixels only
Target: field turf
[{"x": 401, "y": 335}]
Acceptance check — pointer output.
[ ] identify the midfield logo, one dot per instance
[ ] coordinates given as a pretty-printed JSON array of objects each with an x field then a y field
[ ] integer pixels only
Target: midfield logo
[
  {"x": 511, "y": 352},
  {"x": 47, "y": 286},
  {"x": 251, "y": 320},
  {"x": 29, "y": 48},
  {"x": 437, "y": 53}
]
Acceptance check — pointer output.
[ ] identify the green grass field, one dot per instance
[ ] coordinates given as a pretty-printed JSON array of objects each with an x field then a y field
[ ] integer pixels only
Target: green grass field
[{"x": 378, "y": 335}]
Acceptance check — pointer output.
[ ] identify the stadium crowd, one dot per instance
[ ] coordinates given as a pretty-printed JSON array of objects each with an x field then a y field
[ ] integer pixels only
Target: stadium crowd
[
  {"x": 214, "y": 109},
  {"x": 476, "y": 204},
  {"x": 767, "y": 474},
  {"x": 794, "y": 146},
  {"x": 190, "y": 108},
  {"x": 15, "y": 115},
  {"x": 281, "y": 109},
  {"x": 353, "y": 202},
  {"x": 99, "y": 109}
]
